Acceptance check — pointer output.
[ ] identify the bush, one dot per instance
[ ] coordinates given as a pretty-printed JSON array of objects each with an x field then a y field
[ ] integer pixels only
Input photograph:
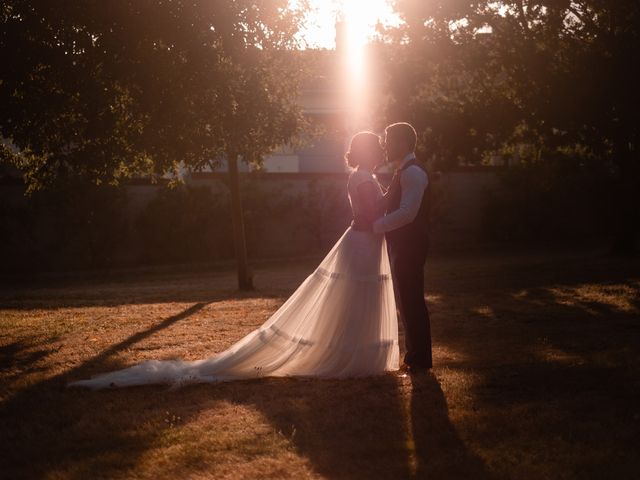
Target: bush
[
  {"x": 76, "y": 227},
  {"x": 185, "y": 224},
  {"x": 562, "y": 198},
  {"x": 93, "y": 227},
  {"x": 321, "y": 215},
  {"x": 281, "y": 221}
]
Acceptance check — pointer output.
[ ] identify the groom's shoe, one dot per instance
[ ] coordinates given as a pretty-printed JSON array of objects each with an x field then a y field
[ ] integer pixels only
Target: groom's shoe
[
  {"x": 403, "y": 371},
  {"x": 414, "y": 369},
  {"x": 417, "y": 370}
]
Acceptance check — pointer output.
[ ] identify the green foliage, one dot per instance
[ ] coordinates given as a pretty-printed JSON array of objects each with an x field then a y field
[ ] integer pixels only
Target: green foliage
[
  {"x": 323, "y": 213},
  {"x": 560, "y": 199},
  {"x": 266, "y": 213},
  {"x": 184, "y": 224},
  {"x": 494, "y": 77},
  {"x": 102, "y": 227},
  {"x": 64, "y": 229},
  {"x": 471, "y": 74},
  {"x": 281, "y": 220},
  {"x": 103, "y": 91}
]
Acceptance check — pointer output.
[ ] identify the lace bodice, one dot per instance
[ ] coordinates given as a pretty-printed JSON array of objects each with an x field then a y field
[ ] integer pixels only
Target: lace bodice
[{"x": 357, "y": 178}]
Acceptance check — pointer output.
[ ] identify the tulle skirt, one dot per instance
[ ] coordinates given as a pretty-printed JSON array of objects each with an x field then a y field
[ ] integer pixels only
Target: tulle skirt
[{"x": 341, "y": 322}]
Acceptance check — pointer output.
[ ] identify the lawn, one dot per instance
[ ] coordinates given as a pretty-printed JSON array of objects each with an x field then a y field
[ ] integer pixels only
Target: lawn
[{"x": 536, "y": 376}]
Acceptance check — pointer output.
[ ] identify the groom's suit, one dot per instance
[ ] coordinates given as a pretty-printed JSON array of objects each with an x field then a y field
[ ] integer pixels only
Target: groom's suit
[{"x": 405, "y": 225}]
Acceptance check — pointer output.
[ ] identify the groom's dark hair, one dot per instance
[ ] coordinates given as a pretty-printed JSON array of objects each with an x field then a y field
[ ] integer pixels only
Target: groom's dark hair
[{"x": 405, "y": 132}]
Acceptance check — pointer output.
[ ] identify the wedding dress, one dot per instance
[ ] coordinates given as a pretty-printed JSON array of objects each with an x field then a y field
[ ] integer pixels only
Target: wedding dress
[{"x": 340, "y": 322}]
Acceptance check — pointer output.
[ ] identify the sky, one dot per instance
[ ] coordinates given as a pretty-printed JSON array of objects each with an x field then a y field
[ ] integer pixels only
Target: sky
[{"x": 362, "y": 16}]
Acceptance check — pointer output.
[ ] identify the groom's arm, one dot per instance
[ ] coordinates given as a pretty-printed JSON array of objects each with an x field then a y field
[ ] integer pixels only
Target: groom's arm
[{"x": 413, "y": 182}]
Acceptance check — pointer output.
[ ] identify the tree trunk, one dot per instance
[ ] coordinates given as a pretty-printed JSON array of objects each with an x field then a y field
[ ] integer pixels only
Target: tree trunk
[{"x": 245, "y": 279}]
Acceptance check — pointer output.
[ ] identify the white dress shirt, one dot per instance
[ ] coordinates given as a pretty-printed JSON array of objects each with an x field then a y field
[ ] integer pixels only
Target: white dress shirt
[{"x": 413, "y": 182}]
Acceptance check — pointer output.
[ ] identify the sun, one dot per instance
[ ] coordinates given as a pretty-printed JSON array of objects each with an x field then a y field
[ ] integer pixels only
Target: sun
[
  {"x": 318, "y": 30},
  {"x": 361, "y": 17}
]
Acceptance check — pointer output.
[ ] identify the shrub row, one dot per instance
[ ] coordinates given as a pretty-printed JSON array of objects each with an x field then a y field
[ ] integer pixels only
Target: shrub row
[
  {"x": 559, "y": 200},
  {"x": 95, "y": 227}
]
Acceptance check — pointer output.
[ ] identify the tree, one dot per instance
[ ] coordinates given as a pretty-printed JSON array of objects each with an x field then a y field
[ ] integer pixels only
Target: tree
[
  {"x": 439, "y": 83},
  {"x": 102, "y": 91},
  {"x": 555, "y": 74}
]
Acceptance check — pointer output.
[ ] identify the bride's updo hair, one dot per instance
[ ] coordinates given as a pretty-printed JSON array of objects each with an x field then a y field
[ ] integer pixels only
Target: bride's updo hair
[{"x": 364, "y": 148}]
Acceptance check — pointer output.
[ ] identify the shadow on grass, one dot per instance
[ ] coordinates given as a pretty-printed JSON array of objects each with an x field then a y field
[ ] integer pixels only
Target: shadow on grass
[
  {"x": 552, "y": 358},
  {"x": 439, "y": 451},
  {"x": 128, "y": 342},
  {"x": 21, "y": 354},
  {"x": 384, "y": 427},
  {"x": 379, "y": 427},
  {"x": 21, "y": 358},
  {"x": 345, "y": 428},
  {"x": 357, "y": 428},
  {"x": 43, "y": 425}
]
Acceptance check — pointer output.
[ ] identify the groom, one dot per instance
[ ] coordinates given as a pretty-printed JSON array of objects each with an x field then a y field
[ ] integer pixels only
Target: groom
[{"x": 405, "y": 226}]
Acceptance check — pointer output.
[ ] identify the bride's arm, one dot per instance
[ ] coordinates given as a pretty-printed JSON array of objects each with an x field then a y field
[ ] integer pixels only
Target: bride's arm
[{"x": 371, "y": 207}]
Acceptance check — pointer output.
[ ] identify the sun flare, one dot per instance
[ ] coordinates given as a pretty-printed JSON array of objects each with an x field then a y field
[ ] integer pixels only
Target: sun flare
[
  {"x": 359, "y": 23},
  {"x": 319, "y": 28},
  {"x": 348, "y": 26},
  {"x": 359, "y": 18}
]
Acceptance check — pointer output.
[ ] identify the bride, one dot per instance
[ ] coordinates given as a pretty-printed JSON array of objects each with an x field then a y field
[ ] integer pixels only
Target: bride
[{"x": 340, "y": 322}]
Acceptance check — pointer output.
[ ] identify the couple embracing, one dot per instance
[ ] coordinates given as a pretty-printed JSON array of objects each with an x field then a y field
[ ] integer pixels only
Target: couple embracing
[{"x": 343, "y": 319}]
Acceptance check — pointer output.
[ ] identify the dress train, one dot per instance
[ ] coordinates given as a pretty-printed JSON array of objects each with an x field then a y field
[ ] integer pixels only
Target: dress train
[{"x": 340, "y": 322}]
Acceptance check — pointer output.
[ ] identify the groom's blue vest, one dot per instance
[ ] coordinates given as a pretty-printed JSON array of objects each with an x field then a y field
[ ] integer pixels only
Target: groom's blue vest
[{"x": 413, "y": 237}]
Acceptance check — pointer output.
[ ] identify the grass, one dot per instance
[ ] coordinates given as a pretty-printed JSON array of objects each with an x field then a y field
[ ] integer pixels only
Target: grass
[{"x": 536, "y": 376}]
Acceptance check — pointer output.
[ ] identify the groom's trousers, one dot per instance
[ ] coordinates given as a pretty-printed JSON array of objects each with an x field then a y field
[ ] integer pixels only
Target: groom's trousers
[{"x": 407, "y": 270}]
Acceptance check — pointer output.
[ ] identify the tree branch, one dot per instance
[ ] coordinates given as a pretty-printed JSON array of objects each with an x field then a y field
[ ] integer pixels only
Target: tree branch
[
  {"x": 587, "y": 22},
  {"x": 523, "y": 16}
]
